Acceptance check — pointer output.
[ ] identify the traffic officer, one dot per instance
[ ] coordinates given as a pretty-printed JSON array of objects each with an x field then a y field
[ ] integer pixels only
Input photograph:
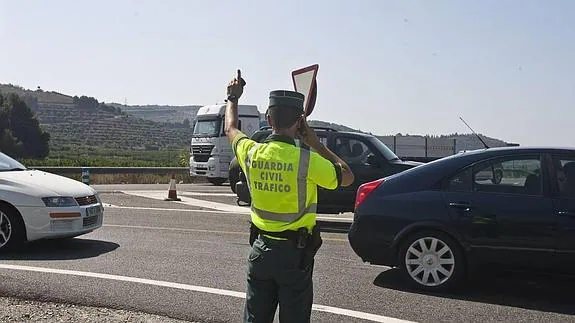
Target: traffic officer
[{"x": 282, "y": 179}]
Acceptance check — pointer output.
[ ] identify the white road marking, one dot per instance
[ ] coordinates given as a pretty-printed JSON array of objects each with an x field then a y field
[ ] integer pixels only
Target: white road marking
[
  {"x": 173, "y": 229},
  {"x": 186, "y": 193},
  {"x": 112, "y": 206},
  {"x": 357, "y": 314},
  {"x": 160, "y": 195},
  {"x": 245, "y": 212},
  {"x": 201, "y": 289},
  {"x": 329, "y": 218}
]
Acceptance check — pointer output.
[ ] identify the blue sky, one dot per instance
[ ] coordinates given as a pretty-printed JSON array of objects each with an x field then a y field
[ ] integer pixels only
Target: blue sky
[{"x": 403, "y": 66}]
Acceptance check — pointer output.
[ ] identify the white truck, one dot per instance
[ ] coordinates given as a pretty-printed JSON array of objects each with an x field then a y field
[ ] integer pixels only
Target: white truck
[{"x": 210, "y": 151}]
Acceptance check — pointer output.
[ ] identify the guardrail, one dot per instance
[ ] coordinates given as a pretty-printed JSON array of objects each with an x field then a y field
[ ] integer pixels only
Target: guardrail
[{"x": 114, "y": 170}]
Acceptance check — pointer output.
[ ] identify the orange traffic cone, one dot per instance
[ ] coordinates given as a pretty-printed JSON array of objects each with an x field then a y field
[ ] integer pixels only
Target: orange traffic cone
[{"x": 172, "y": 194}]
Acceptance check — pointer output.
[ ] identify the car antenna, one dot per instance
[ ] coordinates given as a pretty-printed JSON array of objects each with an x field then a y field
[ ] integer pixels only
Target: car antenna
[{"x": 483, "y": 142}]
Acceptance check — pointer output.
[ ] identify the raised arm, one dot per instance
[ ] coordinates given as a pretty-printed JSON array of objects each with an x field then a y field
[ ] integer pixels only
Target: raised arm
[{"x": 235, "y": 91}]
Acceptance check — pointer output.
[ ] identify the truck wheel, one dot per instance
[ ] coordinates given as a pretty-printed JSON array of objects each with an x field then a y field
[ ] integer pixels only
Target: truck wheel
[{"x": 216, "y": 180}]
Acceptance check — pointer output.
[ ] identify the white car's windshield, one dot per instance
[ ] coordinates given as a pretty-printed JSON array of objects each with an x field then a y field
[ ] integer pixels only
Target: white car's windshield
[{"x": 9, "y": 164}]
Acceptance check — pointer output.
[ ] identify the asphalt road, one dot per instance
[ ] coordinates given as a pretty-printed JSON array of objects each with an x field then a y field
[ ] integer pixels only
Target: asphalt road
[{"x": 187, "y": 261}]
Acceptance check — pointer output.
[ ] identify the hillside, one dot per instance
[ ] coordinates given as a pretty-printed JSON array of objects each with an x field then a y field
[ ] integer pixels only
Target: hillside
[
  {"x": 84, "y": 122},
  {"x": 43, "y": 97},
  {"x": 101, "y": 128}
]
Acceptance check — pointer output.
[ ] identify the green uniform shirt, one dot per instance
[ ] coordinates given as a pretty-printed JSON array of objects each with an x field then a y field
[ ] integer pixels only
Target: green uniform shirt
[{"x": 283, "y": 181}]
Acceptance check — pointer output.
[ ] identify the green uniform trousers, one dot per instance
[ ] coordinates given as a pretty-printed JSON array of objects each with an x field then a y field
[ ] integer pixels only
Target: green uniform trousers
[{"x": 273, "y": 277}]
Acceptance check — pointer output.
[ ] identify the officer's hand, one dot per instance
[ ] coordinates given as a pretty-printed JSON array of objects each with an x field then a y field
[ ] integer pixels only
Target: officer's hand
[
  {"x": 236, "y": 86},
  {"x": 345, "y": 167},
  {"x": 304, "y": 130}
]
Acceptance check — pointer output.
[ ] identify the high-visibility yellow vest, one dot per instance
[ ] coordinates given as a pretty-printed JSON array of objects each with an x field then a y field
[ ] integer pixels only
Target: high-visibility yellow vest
[{"x": 283, "y": 179}]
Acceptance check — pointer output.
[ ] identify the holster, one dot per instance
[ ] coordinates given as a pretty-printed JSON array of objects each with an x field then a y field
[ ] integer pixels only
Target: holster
[
  {"x": 254, "y": 231},
  {"x": 312, "y": 246}
]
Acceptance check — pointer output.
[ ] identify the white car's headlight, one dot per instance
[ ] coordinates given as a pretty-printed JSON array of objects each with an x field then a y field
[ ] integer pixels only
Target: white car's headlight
[{"x": 59, "y": 201}]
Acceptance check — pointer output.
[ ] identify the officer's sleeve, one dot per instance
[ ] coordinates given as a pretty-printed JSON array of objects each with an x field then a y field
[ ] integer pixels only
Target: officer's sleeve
[
  {"x": 323, "y": 172},
  {"x": 241, "y": 146}
]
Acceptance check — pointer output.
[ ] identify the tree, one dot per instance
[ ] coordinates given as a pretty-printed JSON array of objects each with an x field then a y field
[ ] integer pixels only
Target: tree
[
  {"x": 20, "y": 132},
  {"x": 186, "y": 123},
  {"x": 10, "y": 145},
  {"x": 85, "y": 102}
]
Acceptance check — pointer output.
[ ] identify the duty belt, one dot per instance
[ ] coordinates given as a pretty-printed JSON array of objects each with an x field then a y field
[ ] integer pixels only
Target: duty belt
[{"x": 299, "y": 237}]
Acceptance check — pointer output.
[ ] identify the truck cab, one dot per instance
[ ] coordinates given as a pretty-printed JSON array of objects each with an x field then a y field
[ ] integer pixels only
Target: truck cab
[
  {"x": 368, "y": 157},
  {"x": 210, "y": 150}
]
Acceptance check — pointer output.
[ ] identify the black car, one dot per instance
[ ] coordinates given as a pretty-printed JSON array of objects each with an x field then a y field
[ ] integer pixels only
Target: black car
[
  {"x": 367, "y": 156},
  {"x": 438, "y": 220}
]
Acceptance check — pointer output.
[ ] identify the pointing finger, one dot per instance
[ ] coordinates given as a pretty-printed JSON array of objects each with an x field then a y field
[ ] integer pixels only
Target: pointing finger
[{"x": 240, "y": 80}]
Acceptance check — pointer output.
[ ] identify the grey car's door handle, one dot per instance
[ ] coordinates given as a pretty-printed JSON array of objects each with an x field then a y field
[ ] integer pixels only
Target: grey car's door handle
[{"x": 570, "y": 214}]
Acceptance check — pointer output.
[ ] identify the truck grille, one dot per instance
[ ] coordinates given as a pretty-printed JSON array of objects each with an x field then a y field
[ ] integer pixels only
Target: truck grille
[
  {"x": 202, "y": 152},
  {"x": 202, "y": 149}
]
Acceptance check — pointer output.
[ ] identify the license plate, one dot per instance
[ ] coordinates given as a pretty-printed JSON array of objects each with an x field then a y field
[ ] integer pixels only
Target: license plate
[{"x": 93, "y": 211}]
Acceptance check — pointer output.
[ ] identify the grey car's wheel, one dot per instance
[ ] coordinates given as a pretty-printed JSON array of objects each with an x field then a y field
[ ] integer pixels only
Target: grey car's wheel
[
  {"x": 431, "y": 260},
  {"x": 234, "y": 174},
  {"x": 11, "y": 229}
]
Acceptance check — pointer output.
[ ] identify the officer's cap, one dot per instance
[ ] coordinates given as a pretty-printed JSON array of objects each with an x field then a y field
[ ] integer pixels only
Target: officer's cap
[{"x": 286, "y": 99}]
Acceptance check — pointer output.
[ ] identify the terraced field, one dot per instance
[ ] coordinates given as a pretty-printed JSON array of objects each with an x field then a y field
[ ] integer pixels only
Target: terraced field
[{"x": 98, "y": 128}]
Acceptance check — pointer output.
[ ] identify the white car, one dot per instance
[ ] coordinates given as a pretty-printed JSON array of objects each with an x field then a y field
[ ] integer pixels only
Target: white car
[{"x": 38, "y": 205}]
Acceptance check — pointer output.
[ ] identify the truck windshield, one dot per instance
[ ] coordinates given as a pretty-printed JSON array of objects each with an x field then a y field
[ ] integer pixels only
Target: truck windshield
[
  {"x": 208, "y": 128},
  {"x": 385, "y": 151}
]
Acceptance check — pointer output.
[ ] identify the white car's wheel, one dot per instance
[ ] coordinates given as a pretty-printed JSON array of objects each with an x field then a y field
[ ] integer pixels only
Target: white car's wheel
[
  {"x": 431, "y": 260},
  {"x": 11, "y": 229}
]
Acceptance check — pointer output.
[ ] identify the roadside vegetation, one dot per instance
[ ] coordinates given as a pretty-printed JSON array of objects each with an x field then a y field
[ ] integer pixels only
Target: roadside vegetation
[{"x": 108, "y": 157}]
